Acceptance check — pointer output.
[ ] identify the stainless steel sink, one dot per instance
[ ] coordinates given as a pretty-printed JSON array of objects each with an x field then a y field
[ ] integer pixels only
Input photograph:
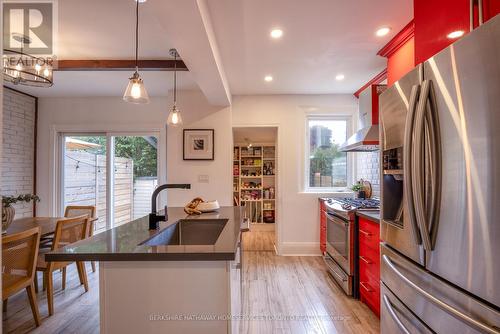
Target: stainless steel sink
[{"x": 189, "y": 232}]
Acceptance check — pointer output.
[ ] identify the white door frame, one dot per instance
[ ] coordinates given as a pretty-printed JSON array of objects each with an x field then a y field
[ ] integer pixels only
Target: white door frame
[
  {"x": 279, "y": 158},
  {"x": 56, "y": 174}
]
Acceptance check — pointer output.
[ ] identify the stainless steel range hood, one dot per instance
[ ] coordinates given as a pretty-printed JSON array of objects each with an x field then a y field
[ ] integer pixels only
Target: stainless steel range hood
[{"x": 366, "y": 139}]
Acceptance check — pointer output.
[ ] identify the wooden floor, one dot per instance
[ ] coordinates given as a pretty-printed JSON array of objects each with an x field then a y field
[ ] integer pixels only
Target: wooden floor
[
  {"x": 280, "y": 295},
  {"x": 74, "y": 310},
  {"x": 258, "y": 241}
]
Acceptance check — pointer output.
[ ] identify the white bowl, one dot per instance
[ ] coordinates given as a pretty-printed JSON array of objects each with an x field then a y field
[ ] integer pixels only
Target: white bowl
[{"x": 208, "y": 206}]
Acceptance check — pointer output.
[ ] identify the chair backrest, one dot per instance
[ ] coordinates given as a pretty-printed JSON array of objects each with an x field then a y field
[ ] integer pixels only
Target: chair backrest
[
  {"x": 78, "y": 210},
  {"x": 70, "y": 230},
  {"x": 19, "y": 253}
]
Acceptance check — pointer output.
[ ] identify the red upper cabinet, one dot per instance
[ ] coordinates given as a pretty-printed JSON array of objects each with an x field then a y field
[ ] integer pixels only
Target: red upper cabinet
[
  {"x": 400, "y": 53},
  {"x": 435, "y": 19},
  {"x": 491, "y": 8}
]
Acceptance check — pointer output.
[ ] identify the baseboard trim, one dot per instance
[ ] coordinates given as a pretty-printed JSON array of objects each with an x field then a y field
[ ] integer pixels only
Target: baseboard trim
[{"x": 300, "y": 249}]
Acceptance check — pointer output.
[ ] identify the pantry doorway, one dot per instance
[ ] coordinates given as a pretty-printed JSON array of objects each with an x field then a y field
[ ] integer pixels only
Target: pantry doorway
[{"x": 255, "y": 184}]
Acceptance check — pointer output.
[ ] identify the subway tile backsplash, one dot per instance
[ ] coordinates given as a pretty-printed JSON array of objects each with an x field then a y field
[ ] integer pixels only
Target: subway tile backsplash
[{"x": 368, "y": 169}]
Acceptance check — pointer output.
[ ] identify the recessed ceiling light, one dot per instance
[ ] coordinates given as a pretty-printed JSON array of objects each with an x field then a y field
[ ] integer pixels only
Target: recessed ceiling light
[
  {"x": 382, "y": 31},
  {"x": 339, "y": 77},
  {"x": 455, "y": 34},
  {"x": 276, "y": 33},
  {"x": 268, "y": 78}
]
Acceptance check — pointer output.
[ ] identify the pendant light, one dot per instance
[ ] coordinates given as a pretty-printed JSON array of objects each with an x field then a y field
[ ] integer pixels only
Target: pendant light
[
  {"x": 174, "y": 117},
  {"x": 136, "y": 92}
]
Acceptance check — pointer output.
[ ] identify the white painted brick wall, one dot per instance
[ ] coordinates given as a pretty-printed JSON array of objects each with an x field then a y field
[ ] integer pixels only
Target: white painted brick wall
[
  {"x": 368, "y": 169},
  {"x": 18, "y": 124}
]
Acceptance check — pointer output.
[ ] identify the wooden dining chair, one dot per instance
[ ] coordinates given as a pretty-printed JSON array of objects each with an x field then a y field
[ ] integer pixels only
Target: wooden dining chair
[
  {"x": 67, "y": 231},
  {"x": 19, "y": 253},
  {"x": 78, "y": 210}
]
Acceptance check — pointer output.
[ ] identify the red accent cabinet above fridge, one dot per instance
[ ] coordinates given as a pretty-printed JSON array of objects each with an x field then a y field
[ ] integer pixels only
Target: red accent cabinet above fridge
[{"x": 434, "y": 20}]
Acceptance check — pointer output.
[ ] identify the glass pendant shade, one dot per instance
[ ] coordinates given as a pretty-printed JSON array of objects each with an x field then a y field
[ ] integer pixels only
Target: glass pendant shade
[
  {"x": 174, "y": 117},
  {"x": 136, "y": 92}
]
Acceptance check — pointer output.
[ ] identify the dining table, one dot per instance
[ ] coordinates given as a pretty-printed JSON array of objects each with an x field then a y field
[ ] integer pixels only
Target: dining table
[{"x": 47, "y": 225}]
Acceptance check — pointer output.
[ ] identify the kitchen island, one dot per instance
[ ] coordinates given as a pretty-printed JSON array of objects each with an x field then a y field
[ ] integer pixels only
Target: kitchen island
[{"x": 184, "y": 277}]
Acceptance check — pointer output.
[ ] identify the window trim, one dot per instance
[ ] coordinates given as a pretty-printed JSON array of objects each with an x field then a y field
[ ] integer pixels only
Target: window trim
[{"x": 350, "y": 159}]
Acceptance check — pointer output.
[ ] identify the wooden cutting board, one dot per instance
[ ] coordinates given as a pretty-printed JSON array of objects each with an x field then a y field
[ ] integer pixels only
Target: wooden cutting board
[{"x": 368, "y": 189}]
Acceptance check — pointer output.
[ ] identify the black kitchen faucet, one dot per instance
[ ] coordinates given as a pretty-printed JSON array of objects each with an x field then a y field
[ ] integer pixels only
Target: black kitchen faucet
[{"x": 154, "y": 218}]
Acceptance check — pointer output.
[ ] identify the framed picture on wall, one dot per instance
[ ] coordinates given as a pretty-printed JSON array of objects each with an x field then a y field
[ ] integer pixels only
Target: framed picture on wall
[{"x": 198, "y": 144}]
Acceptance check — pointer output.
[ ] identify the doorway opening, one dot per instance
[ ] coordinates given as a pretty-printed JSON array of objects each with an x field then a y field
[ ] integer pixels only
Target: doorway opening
[{"x": 255, "y": 184}]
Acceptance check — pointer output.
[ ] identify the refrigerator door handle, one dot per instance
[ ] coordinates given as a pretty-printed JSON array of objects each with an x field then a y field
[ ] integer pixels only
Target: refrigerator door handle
[
  {"x": 394, "y": 316},
  {"x": 432, "y": 123},
  {"x": 418, "y": 166},
  {"x": 407, "y": 162},
  {"x": 441, "y": 304}
]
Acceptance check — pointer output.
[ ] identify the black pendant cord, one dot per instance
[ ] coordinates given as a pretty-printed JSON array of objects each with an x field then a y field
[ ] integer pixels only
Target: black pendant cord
[
  {"x": 137, "y": 35},
  {"x": 175, "y": 78}
]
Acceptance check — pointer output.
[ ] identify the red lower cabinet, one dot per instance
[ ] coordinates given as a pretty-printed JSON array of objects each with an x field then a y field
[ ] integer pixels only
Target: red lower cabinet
[
  {"x": 369, "y": 264},
  {"x": 322, "y": 226}
]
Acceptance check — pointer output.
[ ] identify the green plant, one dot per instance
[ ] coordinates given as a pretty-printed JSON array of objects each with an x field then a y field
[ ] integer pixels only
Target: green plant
[
  {"x": 142, "y": 152},
  {"x": 7, "y": 201},
  {"x": 357, "y": 187}
]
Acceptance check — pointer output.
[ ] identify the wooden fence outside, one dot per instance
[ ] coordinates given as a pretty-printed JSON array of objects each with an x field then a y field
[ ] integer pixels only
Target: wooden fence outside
[{"x": 85, "y": 184}]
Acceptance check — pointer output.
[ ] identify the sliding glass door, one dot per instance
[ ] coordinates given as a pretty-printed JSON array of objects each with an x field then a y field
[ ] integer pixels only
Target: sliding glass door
[
  {"x": 84, "y": 174},
  {"x": 135, "y": 176},
  {"x": 116, "y": 173}
]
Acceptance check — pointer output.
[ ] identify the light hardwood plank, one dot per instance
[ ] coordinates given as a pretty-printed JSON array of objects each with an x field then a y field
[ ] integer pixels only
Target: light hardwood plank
[{"x": 280, "y": 295}]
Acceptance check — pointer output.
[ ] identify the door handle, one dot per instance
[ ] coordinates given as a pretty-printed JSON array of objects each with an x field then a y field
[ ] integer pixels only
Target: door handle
[
  {"x": 368, "y": 234},
  {"x": 441, "y": 304},
  {"x": 432, "y": 124},
  {"x": 418, "y": 166},
  {"x": 394, "y": 316},
  {"x": 407, "y": 162},
  {"x": 427, "y": 123},
  {"x": 364, "y": 286},
  {"x": 365, "y": 260},
  {"x": 343, "y": 279}
]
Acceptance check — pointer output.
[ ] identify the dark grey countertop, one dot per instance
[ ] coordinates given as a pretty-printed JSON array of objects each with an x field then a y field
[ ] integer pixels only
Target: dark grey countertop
[
  {"x": 371, "y": 215},
  {"x": 122, "y": 243}
]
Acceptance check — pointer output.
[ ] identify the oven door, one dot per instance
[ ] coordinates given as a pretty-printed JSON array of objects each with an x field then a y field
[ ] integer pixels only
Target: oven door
[{"x": 338, "y": 241}]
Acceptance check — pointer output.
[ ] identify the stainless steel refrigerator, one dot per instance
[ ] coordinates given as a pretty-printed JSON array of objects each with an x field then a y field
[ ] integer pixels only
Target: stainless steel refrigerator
[{"x": 440, "y": 227}]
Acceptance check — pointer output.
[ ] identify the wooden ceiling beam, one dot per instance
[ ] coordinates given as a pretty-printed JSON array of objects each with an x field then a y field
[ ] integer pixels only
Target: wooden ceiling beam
[{"x": 117, "y": 65}]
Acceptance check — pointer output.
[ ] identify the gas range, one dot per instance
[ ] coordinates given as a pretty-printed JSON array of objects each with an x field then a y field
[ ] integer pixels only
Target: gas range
[
  {"x": 341, "y": 239},
  {"x": 347, "y": 206}
]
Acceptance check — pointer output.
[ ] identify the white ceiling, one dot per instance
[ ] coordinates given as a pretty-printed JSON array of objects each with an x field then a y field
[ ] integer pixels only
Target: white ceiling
[
  {"x": 254, "y": 134},
  {"x": 97, "y": 29},
  {"x": 321, "y": 39},
  {"x": 226, "y": 44}
]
